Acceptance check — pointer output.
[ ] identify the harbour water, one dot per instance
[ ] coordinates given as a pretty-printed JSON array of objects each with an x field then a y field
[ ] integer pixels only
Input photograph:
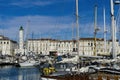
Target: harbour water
[{"x": 17, "y": 73}]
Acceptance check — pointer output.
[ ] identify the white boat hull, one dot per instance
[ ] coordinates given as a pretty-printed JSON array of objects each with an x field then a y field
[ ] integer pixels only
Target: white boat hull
[{"x": 28, "y": 63}]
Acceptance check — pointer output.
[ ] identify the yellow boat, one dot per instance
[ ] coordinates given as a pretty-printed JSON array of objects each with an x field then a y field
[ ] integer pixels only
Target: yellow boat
[{"x": 49, "y": 70}]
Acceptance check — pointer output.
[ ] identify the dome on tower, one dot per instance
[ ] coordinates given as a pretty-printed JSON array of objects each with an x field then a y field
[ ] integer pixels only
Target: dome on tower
[{"x": 21, "y": 28}]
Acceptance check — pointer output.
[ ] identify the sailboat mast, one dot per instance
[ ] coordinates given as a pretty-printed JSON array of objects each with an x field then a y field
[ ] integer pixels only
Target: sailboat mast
[
  {"x": 72, "y": 31},
  {"x": 95, "y": 30},
  {"x": 104, "y": 30},
  {"x": 27, "y": 31},
  {"x": 27, "y": 34},
  {"x": 113, "y": 29},
  {"x": 77, "y": 27}
]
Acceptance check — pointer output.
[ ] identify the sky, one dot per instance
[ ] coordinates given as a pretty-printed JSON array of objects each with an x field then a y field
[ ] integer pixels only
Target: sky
[{"x": 53, "y": 18}]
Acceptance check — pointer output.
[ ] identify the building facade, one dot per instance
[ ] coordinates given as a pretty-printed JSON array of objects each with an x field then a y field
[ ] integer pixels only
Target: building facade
[
  {"x": 7, "y": 46},
  {"x": 86, "y": 46}
]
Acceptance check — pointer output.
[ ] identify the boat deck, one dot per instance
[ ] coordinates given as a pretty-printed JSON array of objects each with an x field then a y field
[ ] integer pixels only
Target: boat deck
[
  {"x": 96, "y": 76},
  {"x": 104, "y": 76},
  {"x": 69, "y": 77}
]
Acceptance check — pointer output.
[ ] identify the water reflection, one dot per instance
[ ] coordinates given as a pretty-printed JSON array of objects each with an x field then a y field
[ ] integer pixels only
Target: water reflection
[{"x": 14, "y": 73}]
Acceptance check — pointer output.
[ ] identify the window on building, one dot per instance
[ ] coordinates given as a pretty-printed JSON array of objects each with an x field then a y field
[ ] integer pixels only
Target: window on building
[
  {"x": 88, "y": 44},
  {"x": 73, "y": 49},
  {"x": 4, "y": 42},
  {"x": 108, "y": 42},
  {"x": 91, "y": 44},
  {"x": 97, "y": 50}
]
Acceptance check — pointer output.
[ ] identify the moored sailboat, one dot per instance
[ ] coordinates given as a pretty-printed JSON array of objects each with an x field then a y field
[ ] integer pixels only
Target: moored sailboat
[{"x": 73, "y": 72}]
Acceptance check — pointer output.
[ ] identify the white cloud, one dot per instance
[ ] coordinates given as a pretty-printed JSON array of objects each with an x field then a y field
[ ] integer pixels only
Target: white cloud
[
  {"x": 87, "y": 30},
  {"x": 31, "y": 3},
  {"x": 37, "y": 24},
  {"x": 45, "y": 25}
]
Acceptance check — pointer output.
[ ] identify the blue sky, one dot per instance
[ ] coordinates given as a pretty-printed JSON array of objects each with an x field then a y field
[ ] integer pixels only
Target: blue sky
[{"x": 52, "y": 18}]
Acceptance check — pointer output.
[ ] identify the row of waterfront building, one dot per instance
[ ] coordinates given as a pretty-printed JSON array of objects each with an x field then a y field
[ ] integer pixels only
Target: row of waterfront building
[
  {"x": 86, "y": 46},
  {"x": 49, "y": 46}
]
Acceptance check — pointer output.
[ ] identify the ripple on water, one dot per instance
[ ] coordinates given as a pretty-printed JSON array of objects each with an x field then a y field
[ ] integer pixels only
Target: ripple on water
[{"x": 15, "y": 73}]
